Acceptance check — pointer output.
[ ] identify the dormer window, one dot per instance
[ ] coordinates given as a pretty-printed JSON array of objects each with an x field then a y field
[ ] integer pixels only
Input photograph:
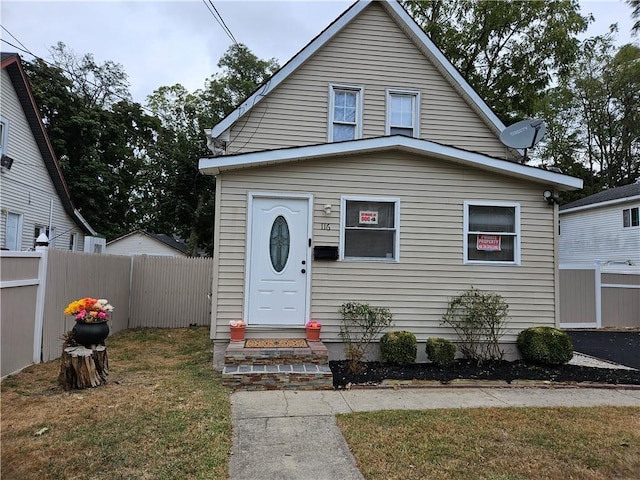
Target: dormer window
[
  {"x": 345, "y": 113},
  {"x": 403, "y": 113}
]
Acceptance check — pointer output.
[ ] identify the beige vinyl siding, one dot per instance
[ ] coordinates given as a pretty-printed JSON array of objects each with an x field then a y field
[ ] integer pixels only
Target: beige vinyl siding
[
  {"x": 372, "y": 52},
  {"x": 139, "y": 244},
  {"x": 27, "y": 188},
  {"x": 431, "y": 269}
]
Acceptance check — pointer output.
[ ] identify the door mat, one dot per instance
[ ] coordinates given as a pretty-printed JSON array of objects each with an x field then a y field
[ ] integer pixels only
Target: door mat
[{"x": 276, "y": 343}]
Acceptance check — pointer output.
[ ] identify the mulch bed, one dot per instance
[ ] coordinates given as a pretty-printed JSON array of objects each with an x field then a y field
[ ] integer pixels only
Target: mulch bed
[{"x": 375, "y": 372}]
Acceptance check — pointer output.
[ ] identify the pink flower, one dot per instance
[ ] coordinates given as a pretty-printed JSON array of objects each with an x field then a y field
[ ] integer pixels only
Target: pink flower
[
  {"x": 81, "y": 314},
  {"x": 102, "y": 315}
]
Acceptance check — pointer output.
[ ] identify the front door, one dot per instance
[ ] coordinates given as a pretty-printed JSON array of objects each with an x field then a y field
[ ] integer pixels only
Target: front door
[{"x": 278, "y": 261}]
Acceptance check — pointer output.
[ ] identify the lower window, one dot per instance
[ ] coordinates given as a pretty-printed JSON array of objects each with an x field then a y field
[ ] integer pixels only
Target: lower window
[
  {"x": 492, "y": 233},
  {"x": 370, "y": 228}
]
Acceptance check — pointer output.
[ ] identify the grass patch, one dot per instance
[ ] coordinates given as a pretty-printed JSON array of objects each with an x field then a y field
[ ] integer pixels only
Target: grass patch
[
  {"x": 496, "y": 443},
  {"x": 163, "y": 415}
]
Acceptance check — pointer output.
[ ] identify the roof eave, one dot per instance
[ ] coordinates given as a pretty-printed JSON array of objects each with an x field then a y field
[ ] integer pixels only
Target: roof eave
[{"x": 608, "y": 203}]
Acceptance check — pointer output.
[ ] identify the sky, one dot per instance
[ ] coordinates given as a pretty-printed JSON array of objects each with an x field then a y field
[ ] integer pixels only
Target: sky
[{"x": 161, "y": 43}]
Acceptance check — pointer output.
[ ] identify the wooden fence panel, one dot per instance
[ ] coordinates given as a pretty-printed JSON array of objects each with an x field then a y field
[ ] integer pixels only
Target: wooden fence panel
[
  {"x": 170, "y": 292},
  {"x": 73, "y": 275},
  {"x": 577, "y": 298}
]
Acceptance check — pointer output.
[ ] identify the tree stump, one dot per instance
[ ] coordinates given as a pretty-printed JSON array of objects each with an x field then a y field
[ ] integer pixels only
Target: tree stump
[{"x": 83, "y": 367}]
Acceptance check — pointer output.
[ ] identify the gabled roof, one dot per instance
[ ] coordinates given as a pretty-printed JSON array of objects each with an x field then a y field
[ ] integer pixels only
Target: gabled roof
[
  {"x": 413, "y": 31},
  {"x": 11, "y": 62},
  {"x": 215, "y": 165},
  {"x": 610, "y": 196},
  {"x": 167, "y": 240}
]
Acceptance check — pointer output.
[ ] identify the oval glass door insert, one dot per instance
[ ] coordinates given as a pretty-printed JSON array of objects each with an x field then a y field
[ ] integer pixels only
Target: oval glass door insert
[{"x": 279, "y": 243}]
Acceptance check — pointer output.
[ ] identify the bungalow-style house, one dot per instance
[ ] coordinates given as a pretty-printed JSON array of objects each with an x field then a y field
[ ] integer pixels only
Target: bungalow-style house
[
  {"x": 34, "y": 198},
  {"x": 367, "y": 169},
  {"x": 602, "y": 227},
  {"x": 141, "y": 242}
]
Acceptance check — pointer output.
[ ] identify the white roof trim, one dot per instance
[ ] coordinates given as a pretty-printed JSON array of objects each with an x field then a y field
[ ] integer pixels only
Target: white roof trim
[
  {"x": 396, "y": 10},
  {"x": 608, "y": 203},
  {"x": 215, "y": 165}
]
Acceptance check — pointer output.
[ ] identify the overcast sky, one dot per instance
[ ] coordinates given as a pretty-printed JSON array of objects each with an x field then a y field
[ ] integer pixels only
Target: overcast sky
[{"x": 166, "y": 42}]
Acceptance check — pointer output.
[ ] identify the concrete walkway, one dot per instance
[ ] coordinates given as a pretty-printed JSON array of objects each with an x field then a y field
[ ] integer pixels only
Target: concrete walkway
[{"x": 293, "y": 434}]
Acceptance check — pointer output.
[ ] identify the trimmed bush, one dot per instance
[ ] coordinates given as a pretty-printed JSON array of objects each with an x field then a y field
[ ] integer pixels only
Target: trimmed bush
[
  {"x": 441, "y": 352},
  {"x": 399, "y": 347},
  {"x": 545, "y": 345}
]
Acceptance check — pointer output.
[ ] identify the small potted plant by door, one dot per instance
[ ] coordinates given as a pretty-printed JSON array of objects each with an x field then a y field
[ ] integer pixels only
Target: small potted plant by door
[
  {"x": 237, "y": 328},
  {"x": 313, "y": 330}
]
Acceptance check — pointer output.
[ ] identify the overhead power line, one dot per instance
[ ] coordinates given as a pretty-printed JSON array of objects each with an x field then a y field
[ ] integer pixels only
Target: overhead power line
[{"x": 216, "y": 15}]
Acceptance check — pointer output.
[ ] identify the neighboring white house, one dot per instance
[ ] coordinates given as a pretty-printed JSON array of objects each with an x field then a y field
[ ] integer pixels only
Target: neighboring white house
[
  {"x": 604, "y": 226},
  {"x": 367, "y": 169},
  {"x": 34, "y": 197},
  {"x": 145, "y": 243}
]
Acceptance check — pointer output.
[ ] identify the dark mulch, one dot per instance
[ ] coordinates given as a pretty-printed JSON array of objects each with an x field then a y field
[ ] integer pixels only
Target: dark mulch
[{"x": 376, "y": 372}]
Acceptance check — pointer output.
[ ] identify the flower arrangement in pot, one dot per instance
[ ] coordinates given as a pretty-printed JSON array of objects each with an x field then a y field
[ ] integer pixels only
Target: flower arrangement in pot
[
  {"x": 91, "y": 315},
  {"x": 313, "y": 330},
  {"x": 237, "y": 328}
]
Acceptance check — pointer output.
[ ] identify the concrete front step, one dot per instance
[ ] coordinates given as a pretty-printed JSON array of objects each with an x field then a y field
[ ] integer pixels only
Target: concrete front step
[
  {"x": 314, "y": 353},
  {"x": 278, "y": 377}
]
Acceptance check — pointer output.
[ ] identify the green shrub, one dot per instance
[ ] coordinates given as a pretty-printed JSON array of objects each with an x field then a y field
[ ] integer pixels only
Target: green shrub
[
  {"x": 545, "y": 345},
  {"x": 399, "y": 347},
  {"x": 441, "y": 352},
  {"x": 361, "y": 325}
]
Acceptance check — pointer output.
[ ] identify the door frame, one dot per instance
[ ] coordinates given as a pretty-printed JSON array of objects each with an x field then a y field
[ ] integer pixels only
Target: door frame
[{"x": 249, "y": 227}]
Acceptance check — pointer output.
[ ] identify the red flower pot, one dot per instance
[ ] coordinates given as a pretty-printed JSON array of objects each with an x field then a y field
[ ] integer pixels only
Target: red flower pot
[
  {"x": 237, "y": 333},
  {"x": 313, "y": 334}
]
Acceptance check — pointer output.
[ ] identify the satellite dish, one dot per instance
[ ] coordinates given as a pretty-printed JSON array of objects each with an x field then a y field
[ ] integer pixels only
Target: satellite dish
[{"x": 524, "y": 134}]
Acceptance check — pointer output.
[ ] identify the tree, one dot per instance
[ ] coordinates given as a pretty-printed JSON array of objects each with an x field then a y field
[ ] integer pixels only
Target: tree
[
  {"x": 100, "y": 136},
  {"x": 593, "y": 117},
  {"x": 508, "y": 51},
  {"x": 635, "y": 14}
]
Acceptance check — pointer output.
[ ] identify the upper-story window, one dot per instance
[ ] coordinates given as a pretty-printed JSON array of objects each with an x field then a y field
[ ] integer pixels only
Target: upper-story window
[
  {"x": 345, "y": 112},
  {"x": 631, "y": 217},
  {"x": 403, "y": 113},
  {"x": 4, "y": 135}
]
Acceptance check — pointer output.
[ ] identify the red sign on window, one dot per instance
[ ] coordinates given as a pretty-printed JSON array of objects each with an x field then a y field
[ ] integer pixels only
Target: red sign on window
[
  {"x": 489, "y": 243},
  {"x": 368, "y": 217}
]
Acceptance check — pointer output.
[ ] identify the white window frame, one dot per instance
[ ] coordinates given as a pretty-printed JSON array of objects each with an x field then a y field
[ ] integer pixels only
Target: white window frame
[
  {"x": 415, "y": 105},
  {"x": 359, "y": 90},
  {"x": 343, "y": 220},
  {"x": 630, "y": 210},
  {"x": 73, "y": 242},
  {"x": 517, "y": 234},
  {"x": 4, "y": 135},
  {"x": 18, "y": 245}
]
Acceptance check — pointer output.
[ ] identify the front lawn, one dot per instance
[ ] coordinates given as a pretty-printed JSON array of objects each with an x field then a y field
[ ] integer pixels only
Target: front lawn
[
  {"x": 496, "y": 443},
  {"x": 163, "y": 415}
]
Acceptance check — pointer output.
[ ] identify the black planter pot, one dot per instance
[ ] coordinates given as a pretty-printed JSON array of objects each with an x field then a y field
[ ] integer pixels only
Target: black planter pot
[{"x": 88, "y": 334}]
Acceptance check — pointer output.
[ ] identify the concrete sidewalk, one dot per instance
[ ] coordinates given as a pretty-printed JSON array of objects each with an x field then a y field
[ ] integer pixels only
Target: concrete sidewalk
[{"x": 293, "y": 434}]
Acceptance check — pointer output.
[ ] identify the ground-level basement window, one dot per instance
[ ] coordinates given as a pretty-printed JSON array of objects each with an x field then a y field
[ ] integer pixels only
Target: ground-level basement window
[
  {"x": 370, "y": 228},
  {"x": 631, "y": 217},
  {"x": 492, "y": 232}
]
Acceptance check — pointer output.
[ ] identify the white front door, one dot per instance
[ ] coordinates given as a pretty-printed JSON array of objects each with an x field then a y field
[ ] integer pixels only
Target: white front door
[{"x": 278, "y": 262}]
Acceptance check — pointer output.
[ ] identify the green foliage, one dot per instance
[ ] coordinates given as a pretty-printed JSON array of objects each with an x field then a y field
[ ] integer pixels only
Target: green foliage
[
  {"x": 493, "y": 43},
  {"x": 440, "y": 351},
  {"x": 545, "y": 345},
  {"x": 479, "y": 320},
  {"x": 399, "y": 347},
  {"x": 361, "y": 325}
]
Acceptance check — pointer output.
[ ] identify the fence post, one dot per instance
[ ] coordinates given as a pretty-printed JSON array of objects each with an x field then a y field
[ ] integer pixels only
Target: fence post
[
  {"x": 598, "y": 292},
  {"x": 40, "y": 298}
]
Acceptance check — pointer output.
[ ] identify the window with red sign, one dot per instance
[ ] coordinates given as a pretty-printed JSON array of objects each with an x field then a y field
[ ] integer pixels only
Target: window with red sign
[
  {"x": 492, "y": 232},
  {"x": 370, "y": 229}
]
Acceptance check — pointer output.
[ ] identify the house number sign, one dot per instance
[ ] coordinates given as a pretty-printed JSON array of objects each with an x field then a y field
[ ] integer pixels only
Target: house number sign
[{"x": 325, "y": 226}]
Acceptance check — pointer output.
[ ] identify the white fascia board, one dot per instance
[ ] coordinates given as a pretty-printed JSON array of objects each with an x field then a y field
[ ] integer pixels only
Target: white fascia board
[
  {"x": 601, "y": 204},
  {"x": 290, "y": 67},
  {"x": 439, "y": 57},
  {"x": 213, "y": 166},
  {"x": 84, "y": 222}
]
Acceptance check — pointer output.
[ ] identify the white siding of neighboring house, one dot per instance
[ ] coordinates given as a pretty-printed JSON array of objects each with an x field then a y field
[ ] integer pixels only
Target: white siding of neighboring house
[
  {"x": 597, "y": 234},
  {"x": 375, "y": 53},
  {"x": 27, "y": 188},
  {"x": 139, "y": 244},
  {"x": 431, "y": 269}
]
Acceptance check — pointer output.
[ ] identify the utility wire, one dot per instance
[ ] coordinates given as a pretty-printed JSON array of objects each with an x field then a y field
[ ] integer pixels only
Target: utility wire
[
  {"x": 17, "y": 40},
  {"x": 216, "y": 15}
]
